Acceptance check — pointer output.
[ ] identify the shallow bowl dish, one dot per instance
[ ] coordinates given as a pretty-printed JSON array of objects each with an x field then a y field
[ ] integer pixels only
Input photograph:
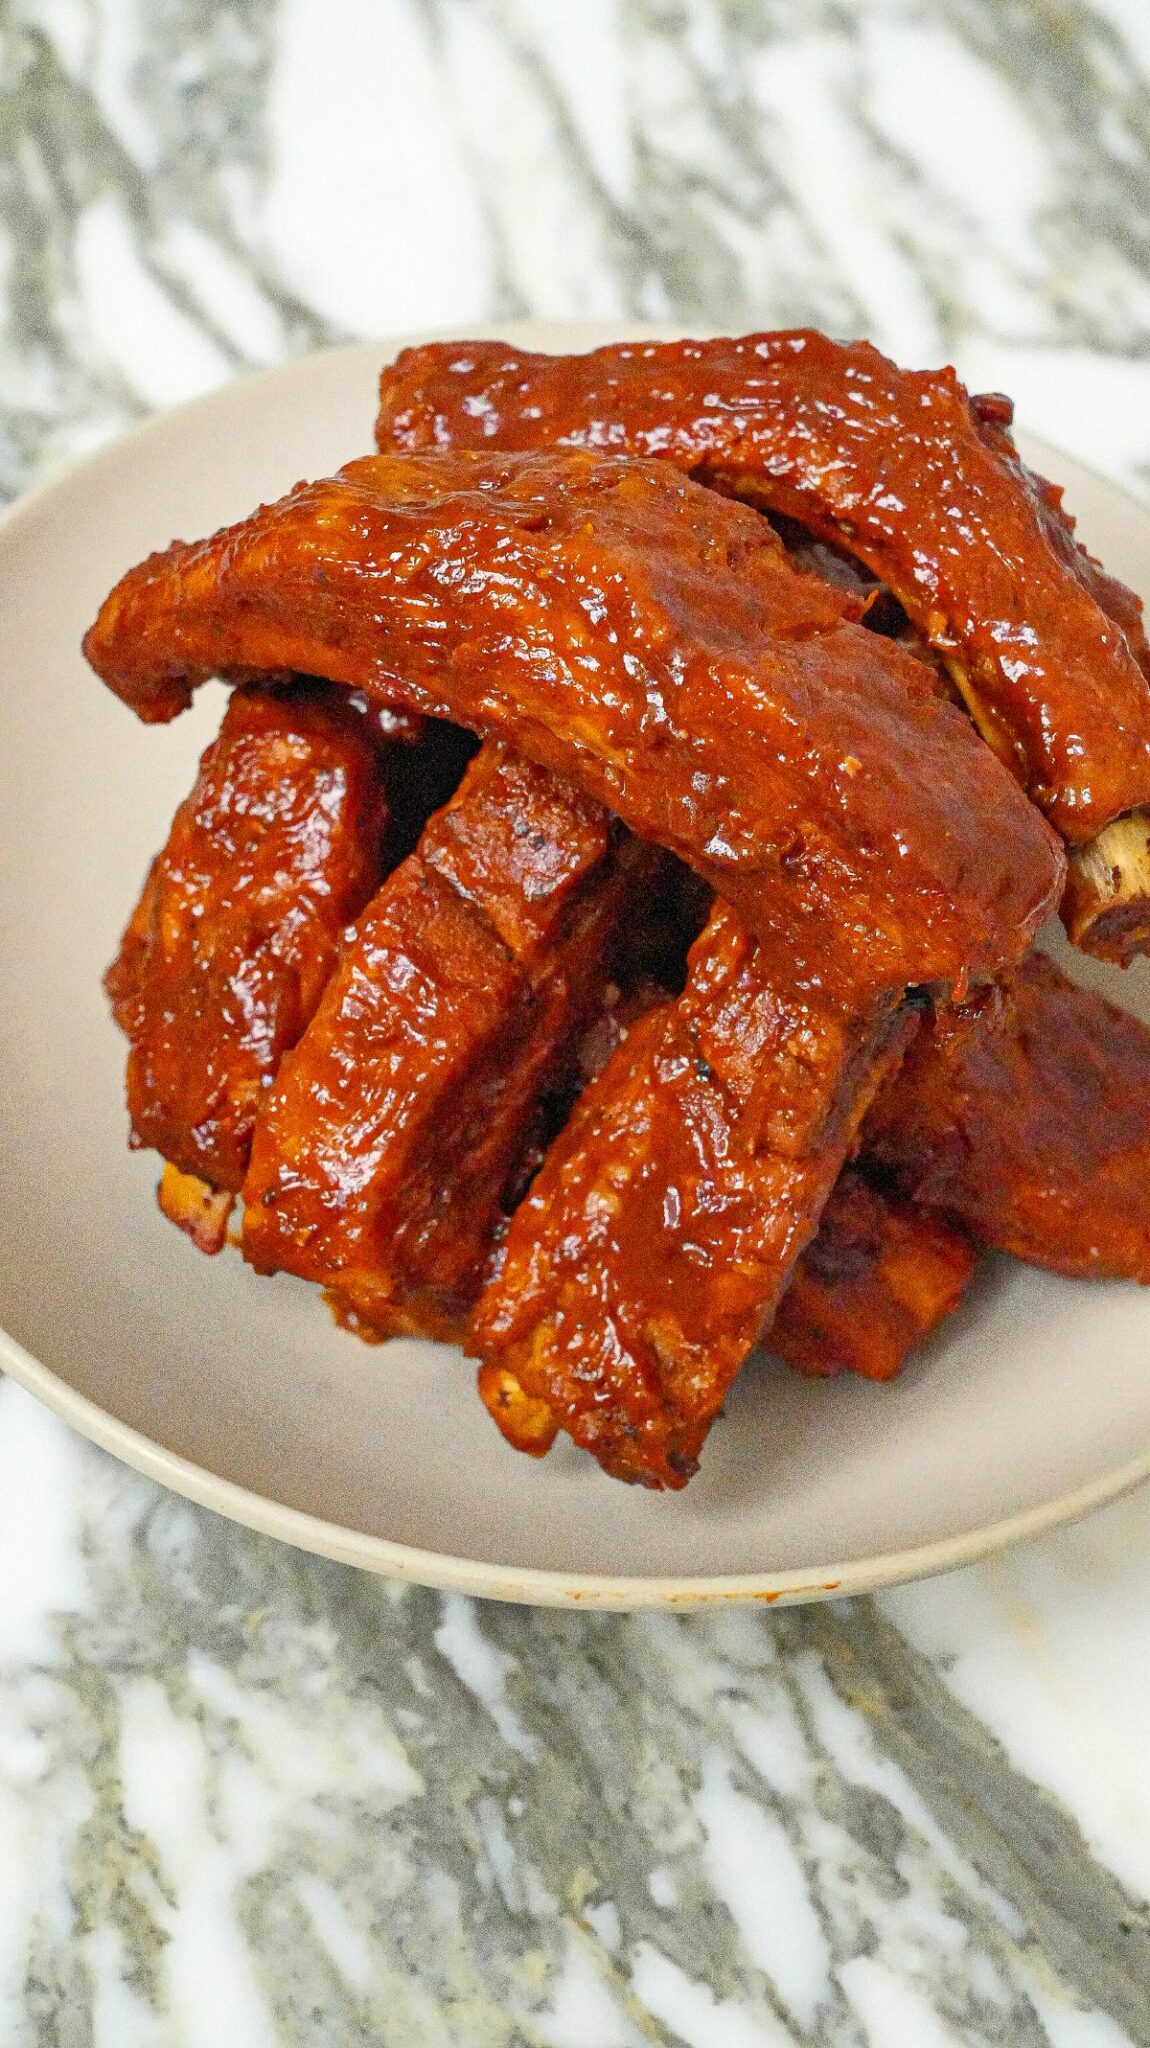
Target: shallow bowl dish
[{"x": 1031, "y": 1407}]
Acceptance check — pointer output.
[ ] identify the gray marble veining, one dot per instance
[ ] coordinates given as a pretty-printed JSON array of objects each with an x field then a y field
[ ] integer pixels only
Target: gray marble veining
[
  {"x": 931, "y": 175},
  {"x": 423, "y": 1820}
]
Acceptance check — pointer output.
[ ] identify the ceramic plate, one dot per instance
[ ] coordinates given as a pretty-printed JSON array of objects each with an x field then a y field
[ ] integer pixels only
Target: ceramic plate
[{"x": 1032, "y": 1407}]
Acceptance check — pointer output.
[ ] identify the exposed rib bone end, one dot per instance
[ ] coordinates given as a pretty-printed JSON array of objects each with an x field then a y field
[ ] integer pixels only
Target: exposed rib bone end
[
  {"x": 529, "y": 1424},
  {"x": 1106, "y": 908},
  {"x": 195, "y": 1207}
]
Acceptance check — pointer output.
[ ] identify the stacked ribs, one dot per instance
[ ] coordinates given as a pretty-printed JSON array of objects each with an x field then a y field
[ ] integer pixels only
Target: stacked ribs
[{"x": 601, "y": 931}]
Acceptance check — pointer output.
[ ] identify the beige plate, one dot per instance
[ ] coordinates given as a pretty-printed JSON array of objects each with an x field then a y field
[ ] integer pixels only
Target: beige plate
[{"x": 240, "y": 1392}]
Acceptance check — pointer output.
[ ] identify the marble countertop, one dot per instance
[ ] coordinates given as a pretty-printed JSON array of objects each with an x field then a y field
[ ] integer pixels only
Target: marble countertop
[{"x": 251, "y": 1798}]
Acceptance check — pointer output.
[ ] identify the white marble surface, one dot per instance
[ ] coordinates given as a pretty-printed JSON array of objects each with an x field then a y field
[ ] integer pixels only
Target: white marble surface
[{"x": 246, "y": 1797}]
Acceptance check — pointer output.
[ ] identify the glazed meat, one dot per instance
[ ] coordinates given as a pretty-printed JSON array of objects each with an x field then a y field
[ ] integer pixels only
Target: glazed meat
[
  {"x": 656, "y": 1240},
  {"x": 519, "y": 846},
  {"x": 663, "y": 1226},
  {"x": 274, "y": 851},
  {"x": 654, "y": 638},
  {"x": 871, "y": 1286},
  {"x": 506, "y": 1103},
  {"x": 879, "y": 1277},
  {"x": 916, "y": 479},
  {"x": 616, "y": 622},
  {"x": 1025, "y": 1117},
  {"x": 390, "y": 1146},
  {"x": 1022, "y": 1114}
]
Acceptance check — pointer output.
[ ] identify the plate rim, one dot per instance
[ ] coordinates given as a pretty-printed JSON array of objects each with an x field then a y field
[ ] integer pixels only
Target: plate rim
[
  {"x": 446, "y": 1571},
  {"x": 529, "y": 1585}
]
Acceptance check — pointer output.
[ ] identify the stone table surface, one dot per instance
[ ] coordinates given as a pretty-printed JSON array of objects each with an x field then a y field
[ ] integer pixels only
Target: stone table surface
[{"x": 251, "y": 1798}]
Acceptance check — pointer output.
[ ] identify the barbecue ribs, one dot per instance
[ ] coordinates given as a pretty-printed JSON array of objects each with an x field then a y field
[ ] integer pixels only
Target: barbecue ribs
[
  {"x": 913, "y": 477},
  {"x": 234, "y": 938},
  {"x": 1026, "y": 1119},
  {"x": 387, "y": 1151},
  {"x": 621, "y": 625},
  {"x": 670, "y": 683}
]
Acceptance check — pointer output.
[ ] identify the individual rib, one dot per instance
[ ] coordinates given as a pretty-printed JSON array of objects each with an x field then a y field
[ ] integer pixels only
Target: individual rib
[
  {"x": 1025, "y": 1117},
  {"x": 275, "y": 850},
  {"x": 616, "y": 622},
  {"x": 652, "y": 1249},
  {"x": 876, "y": 1281},
  {"x": 919, "y": 481}
]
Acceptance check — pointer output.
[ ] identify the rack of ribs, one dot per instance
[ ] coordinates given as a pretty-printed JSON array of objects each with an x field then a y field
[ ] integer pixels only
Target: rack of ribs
[
  {"x": 656, "y": 682},
  {"x": 907, "y": 473}
]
